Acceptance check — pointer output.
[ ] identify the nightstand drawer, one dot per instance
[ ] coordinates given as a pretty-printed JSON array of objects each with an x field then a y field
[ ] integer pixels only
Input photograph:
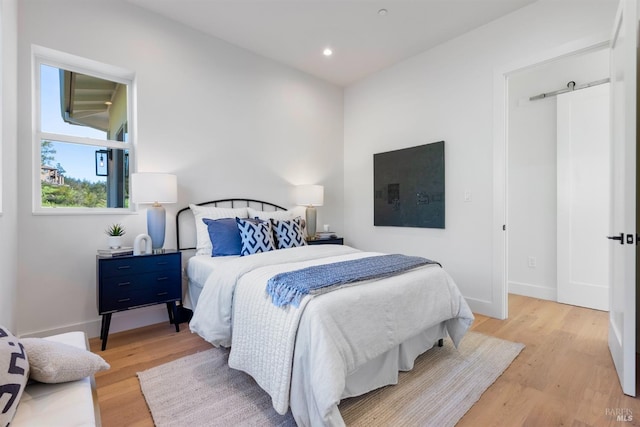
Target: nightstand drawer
[
  {"x": 124, "y": 292},
  {"x": 119, "y": 284},
  {"x": 135, "y": 299},
  {"x": 136, "y": 265},
  {"x": 125, "y": 300}
]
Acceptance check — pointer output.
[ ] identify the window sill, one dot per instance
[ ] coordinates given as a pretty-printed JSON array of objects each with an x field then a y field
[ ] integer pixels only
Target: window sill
[{"x": 83, "y": 211}]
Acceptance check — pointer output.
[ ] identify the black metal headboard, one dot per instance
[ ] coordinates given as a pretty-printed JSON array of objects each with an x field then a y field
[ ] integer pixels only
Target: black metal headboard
[{"x": 185, "y": 217}]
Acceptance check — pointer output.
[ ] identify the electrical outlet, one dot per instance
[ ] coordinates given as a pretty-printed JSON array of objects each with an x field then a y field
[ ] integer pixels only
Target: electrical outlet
[
  {"x": 532, "y": 262},
  {"x": 467, "y": 196}
]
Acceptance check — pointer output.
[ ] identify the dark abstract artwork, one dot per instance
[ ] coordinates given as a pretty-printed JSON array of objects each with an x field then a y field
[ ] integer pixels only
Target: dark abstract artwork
[{"x": 408, "y": 187}]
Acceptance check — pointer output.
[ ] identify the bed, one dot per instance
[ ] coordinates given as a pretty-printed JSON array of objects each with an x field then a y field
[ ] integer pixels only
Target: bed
[{"x": 334, "y": 345}]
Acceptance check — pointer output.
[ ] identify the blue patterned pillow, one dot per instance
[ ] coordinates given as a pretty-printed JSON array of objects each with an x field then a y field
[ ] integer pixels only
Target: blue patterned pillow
[
  {"x": 288, "y": 233},
  {"x": 256, "y": 236},
  {"x": 14, "y": 373}
]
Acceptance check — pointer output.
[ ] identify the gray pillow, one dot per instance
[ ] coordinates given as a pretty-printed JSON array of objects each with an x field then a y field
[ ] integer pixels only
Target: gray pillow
[
  {"x": 54, "y": 362},
  {"x": 14, "y": 373}
]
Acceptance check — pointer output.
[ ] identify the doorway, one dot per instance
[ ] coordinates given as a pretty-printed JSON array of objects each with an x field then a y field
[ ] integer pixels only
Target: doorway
[{"x": 537, "y": 249}]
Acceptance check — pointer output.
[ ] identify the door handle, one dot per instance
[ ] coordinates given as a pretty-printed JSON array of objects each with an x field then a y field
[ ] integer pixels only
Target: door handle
[{"x": 620, "y": 238}]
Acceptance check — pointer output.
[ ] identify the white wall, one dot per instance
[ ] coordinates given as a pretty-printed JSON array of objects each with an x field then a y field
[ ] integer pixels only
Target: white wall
[
  {"x": 227, "y": 122},
  {"x": 446, "y": 93},
  {"x": 8, "y": 123},
  {"x": 532, "y": 166}
]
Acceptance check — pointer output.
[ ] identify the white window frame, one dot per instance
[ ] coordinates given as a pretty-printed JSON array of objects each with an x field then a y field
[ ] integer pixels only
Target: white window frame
[
  {"x": 45, "y": 56},
  {"x": 2, "y": 84}
]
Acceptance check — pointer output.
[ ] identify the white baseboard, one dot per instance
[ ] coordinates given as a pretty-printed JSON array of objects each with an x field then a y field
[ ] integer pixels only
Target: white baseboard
[
  {"x": 91, "y": 328},
  {"x": 486, "y": 308},
  {"x": 533, "y": 291},
  {"x": 121, "y": 321}
]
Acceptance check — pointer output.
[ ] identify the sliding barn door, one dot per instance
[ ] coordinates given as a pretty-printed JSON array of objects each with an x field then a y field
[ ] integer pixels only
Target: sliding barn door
[{"x": 583, "y": 197}]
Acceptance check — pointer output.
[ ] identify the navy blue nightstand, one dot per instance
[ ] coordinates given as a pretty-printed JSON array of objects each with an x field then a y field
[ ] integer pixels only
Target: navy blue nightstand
[
  {"x": 332, "y": 241},
  {"x": 134, "y": 281}
]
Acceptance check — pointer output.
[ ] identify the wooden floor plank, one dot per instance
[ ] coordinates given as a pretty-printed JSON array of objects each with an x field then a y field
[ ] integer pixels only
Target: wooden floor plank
[{"x": 564, "y": 376}]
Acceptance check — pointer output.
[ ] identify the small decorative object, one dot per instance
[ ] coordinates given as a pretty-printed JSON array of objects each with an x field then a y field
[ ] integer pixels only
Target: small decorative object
[
  {"x": 115, "y": 233},
  {"x": 142, "y": 244},
  {"x": 310, "y": 196},
  {"x": 155, "y": 188}
]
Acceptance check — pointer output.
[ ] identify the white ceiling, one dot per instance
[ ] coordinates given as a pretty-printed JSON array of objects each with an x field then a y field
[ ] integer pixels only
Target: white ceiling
[{"x": 295, "y": 32}]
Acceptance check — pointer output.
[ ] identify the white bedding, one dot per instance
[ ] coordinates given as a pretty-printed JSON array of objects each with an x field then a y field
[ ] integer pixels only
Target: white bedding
[
  {"x": 212, "y": 316},
  {"x": 198, "y": 270},
  {"x": 339, "y": 334}
]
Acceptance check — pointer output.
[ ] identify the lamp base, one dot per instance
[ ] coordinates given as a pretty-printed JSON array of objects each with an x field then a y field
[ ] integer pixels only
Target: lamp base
[
  {"x": 311, "y": 215},
  {"x": 156, "y": 221}
]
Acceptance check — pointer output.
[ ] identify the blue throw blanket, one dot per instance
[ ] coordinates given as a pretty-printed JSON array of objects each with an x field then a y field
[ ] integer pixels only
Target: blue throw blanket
[{"x": 290, "y": 287}]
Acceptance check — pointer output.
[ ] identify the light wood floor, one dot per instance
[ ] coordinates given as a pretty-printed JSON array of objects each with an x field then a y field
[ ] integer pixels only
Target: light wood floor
[{"x": 564, "y": 376}]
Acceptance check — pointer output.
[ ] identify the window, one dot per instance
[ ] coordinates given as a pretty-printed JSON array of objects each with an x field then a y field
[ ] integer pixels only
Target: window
[{"x": 82, "y": 144}]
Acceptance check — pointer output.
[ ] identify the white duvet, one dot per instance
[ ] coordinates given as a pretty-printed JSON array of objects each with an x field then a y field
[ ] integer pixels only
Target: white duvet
[{"x": 333, "y": 334}]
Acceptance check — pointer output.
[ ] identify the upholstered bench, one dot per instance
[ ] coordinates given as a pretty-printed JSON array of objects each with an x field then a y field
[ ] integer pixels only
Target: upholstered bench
[{"x": 66, "y": 404}]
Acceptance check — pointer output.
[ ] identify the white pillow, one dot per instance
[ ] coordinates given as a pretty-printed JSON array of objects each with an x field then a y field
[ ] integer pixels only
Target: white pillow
[
  {"x": 203, "y": 242},
  {"x": 55, "y": 362},
  {"x": 300, "y": 211},
  {"x": 278, "y": 215}
]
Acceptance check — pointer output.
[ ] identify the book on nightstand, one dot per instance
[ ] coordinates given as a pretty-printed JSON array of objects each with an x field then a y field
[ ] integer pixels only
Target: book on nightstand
[
  {"x": 324, "y": 235},
  {"x": 122, "y": 251}
]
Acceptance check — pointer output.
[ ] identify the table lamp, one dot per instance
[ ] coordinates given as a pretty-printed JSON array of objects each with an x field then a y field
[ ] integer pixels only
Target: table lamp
[
  {"x": 310, "y": 196},
  {"x": 155, "y": 188}
]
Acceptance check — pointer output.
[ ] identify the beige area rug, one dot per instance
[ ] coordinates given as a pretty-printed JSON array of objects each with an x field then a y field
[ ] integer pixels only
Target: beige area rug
[{"x": 201, "y": 390}]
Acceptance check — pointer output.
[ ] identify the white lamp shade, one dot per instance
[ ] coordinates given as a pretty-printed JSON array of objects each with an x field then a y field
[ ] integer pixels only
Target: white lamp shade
[
  {"x": 154, "y": 188},
  {"x": 309, "y": 195}
]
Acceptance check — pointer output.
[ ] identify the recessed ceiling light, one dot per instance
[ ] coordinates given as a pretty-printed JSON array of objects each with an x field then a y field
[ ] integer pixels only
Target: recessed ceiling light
[
  {"x": 383, "y": 12},
  {"x": 327, "y": 52}
]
